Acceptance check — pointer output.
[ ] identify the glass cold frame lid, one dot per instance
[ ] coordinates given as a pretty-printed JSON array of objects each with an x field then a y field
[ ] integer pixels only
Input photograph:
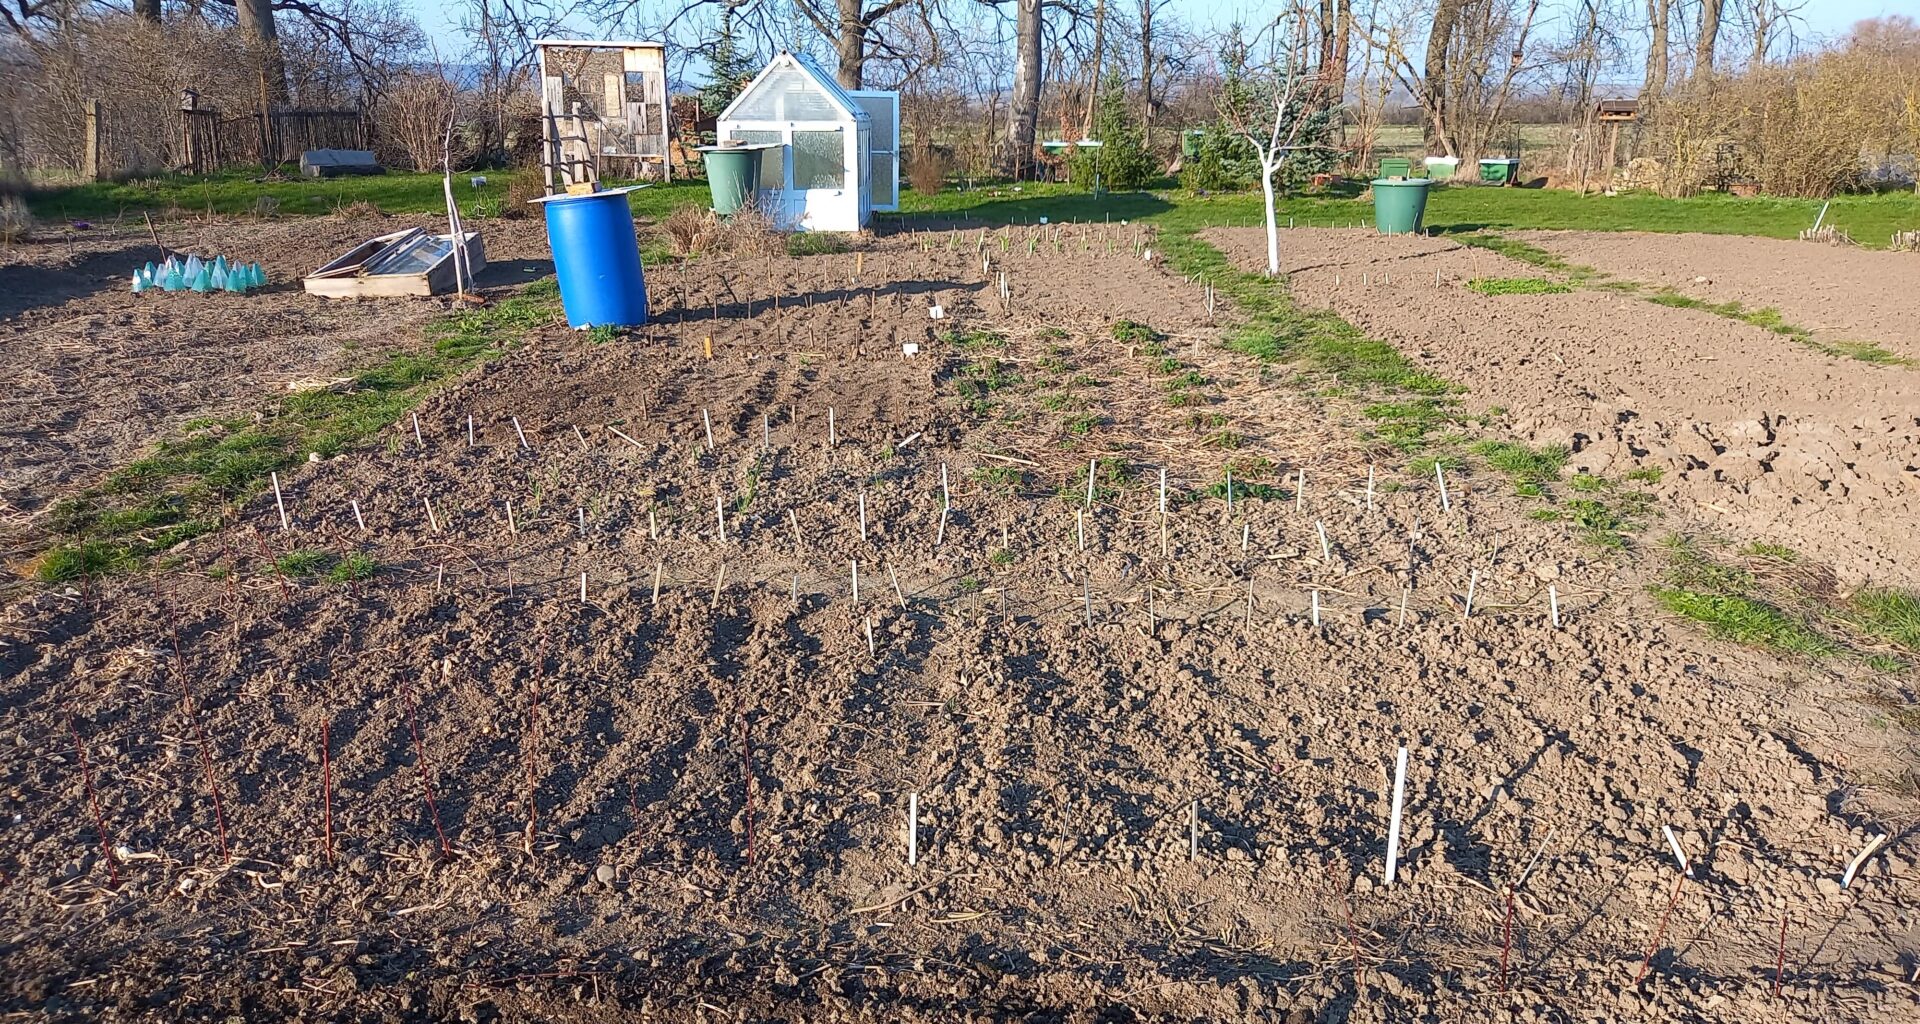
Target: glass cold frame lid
[{"x": 413, "y": 256}]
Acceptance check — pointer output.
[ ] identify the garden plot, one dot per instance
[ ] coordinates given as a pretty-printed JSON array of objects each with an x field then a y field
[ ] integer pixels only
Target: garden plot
[
  {"x": 1059, "y": 669},
  {"x": 1751, "y": 431},
  {"x": 95, "y": 373},
  {"x": 1842, "y": 295}
]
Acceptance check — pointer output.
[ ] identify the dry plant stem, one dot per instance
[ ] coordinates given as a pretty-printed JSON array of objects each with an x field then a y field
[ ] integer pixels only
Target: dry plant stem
[
  {"x": 1646, "y": 964},
  {"x": 93, "y": 801},
  {"x": 1780, "y": 957},
  {"x": 1506, "y": 941},
  {"x": 326, "y": 788},
  {"x": 200, "y": 731},
  {"x": 533, "y": 771},
  {"x": 285, "y": 593},
  {"x": 746, "y": 784},
  {"x": 426, "y": 776}
]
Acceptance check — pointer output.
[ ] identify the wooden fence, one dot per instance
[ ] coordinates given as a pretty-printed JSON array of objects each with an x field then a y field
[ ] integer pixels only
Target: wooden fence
[{"x": 211, "y": 141}]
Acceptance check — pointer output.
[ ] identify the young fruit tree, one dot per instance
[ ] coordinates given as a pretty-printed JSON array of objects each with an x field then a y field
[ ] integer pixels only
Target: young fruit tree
[{"x": 1268, "y": 97}]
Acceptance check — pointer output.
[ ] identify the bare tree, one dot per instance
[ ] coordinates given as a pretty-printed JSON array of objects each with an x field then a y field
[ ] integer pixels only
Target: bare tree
[
  {"x": 1016, "y": 155},
  {"x": 1148, "y": 57},
  {"x": 1264, "y": 99},
  {"x": 1709, "y": 37},
  {"x": 851, "y": 25},
  {"x": 1461, "y": 85},
  {"x": 1654, "y": 82}
]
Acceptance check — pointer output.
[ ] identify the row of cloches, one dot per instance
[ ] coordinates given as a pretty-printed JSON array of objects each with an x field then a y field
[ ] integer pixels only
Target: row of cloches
[{"x": 197, "y": 275}]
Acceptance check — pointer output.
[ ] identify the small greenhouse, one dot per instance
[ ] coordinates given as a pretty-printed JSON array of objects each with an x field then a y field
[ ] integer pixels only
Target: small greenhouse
[{"x": 832, "y": 156}]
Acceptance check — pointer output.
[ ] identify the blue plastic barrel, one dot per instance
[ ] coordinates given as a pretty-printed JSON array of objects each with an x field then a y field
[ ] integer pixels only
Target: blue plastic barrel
[{"x": 596, "y": 258}]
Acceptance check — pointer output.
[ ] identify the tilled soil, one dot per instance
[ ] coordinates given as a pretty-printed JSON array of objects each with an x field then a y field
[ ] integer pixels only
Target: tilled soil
[
  {"x": 631, "y": 747},
  {"x": 1755, "y": 435},
  {"x": 1839, "y": 293},
  {"x": 95, "y": 373}
]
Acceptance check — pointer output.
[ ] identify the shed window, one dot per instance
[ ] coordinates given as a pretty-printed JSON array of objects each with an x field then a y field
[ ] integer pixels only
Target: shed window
[{"x": 819, "y": 160}]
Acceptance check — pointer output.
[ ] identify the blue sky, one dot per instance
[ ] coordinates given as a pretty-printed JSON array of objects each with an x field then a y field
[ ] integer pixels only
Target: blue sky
[{"x": 1823, "y": 17}]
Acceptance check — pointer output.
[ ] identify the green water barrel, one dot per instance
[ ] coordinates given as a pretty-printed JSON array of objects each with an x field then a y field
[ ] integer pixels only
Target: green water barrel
[
  {"x": 733, "y": 175},
  {"x": 1400, "y": 206}
]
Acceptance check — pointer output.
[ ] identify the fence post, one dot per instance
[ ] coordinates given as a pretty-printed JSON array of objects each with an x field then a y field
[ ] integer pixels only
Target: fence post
[{"x": 90, "y": 161}]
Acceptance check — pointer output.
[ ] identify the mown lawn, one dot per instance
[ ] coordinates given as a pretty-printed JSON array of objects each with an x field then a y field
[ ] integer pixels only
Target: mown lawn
[{"x": 1871, "y": 219}]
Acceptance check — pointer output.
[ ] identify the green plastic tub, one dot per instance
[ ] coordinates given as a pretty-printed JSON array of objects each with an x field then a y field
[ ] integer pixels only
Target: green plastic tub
[
  {"x": 733, "y": 175},
  {"x": 1396, "y": 167},
  {"x": 1400, "y": 206},
  {"x": 1501, "y": 172},
  {"x": 1442, "y": 167}
]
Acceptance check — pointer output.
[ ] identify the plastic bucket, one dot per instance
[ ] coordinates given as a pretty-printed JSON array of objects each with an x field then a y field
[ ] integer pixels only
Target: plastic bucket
[
  {"x": 596, "y": 258},
  {"x": 733, "y": 176},
  {"x": 1399, "y": 207}
]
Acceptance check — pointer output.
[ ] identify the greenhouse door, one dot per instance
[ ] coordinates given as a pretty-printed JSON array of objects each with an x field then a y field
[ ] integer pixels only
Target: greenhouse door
[{"x": 884, "y": 109}]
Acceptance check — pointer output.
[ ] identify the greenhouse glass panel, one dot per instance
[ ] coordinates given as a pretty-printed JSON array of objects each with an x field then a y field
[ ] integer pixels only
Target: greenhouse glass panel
[
  {"x": 819, "y": 160},
  {"x": 786, "y": 95}
]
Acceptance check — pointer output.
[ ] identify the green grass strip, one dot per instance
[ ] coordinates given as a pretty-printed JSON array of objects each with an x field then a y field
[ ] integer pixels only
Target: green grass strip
[{"x": 190, "y": 482}]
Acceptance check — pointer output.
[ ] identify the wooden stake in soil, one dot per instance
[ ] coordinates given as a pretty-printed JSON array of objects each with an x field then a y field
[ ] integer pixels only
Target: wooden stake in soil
[
  {"x": 1092, "y": 464},
  {"x": 720, "y": 517},
  {"x": 522, "y": 434},
  {"x": 432, "y": 520},
  {"x": 873, "y": 651},
  {"x": 1369, "y": 488},
  {"x": 1853, "y": 866},
  {"x": 707, "y": 421},
  {"x": 280, "y": 504},
  {"x": 659, "y": 568},
  {"x": 1163, "y": 513},
  {"x": 719, "y": 580},
  {"x": 1440, "y": 477},
  {"x": 93, "y": 801},
  {"x": 854, "y": 564},
  {"x": 1299, "y": 487},
  {"x": 357, "y": 517},
  {"x": 1326, "y": 549},
  {"x": 1473, "y": 580},
  {"x": 898, "y": 595},
  {"x": 417, "y": 439},
  {"x": 863, "y": 515},
  {"x": 1316, "y": 609},
  {"x": 1193, "y": 830},
  {"x": 469, "y": 430},
  {"x": 833, "y": 434},
  {"x": 1393, "y": 823},
  {"x": 1553, "y": 605}
]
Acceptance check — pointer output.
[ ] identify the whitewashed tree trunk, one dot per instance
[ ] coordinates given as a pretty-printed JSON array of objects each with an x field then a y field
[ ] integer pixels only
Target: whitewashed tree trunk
[{"x": 1268, "y": 167}]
